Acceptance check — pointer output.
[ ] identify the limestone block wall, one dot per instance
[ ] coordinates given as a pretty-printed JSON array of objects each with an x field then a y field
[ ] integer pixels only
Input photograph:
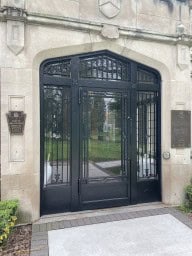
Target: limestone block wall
[
  {"x": 143, "y": 30},
  {"x": 154, "y": 15}
]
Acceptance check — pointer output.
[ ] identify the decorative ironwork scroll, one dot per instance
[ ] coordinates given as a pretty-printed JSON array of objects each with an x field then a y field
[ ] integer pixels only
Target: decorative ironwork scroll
[{"x": 62, "y": 68}]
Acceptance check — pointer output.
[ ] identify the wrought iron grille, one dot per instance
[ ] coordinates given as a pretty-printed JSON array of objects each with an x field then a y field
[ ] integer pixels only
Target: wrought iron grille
[
  {"x": 56, "y": 135},
  {"x": 59, "y": 68},
  {"x": 147, "y": 135},
  {"x": 103, "y": 67}
]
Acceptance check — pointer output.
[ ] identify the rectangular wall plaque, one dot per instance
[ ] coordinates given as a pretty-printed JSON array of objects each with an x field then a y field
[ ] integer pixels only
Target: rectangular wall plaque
[{"x": 180, "y": 129}]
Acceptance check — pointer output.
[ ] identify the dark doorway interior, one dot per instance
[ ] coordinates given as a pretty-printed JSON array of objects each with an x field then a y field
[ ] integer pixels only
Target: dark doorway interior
[{"x": 100, "y": 133}]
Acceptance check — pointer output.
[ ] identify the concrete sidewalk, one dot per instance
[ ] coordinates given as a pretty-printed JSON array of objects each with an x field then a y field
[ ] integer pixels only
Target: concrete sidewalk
[{"x": 149, "y": 229}]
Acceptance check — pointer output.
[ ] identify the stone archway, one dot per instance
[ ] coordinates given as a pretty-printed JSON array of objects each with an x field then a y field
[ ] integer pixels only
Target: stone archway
[{"x": 74, "y": 173}]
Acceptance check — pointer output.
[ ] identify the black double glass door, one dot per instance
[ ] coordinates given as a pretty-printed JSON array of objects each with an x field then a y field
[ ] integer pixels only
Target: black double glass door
[{"x": 99, "y": 134}]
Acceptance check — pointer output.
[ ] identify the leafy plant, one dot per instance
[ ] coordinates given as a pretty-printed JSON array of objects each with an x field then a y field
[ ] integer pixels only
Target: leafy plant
[
  {"x": 188, "y": 197},
  {"x": 8, "y": 212}
]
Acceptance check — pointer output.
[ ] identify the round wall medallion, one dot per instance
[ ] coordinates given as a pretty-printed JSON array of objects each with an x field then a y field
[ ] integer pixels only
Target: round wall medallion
[{"x": 166, "y": 155}]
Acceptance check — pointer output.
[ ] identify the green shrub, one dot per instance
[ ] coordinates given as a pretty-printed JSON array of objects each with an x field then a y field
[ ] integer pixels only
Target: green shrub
[
  {"x": 8, "y": 212},
  {"x": 13, "y": 205},
  {"x": 188, "y": 196}
]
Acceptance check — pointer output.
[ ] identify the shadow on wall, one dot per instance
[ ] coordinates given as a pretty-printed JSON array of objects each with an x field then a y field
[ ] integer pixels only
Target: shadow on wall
[
  {"x": 24, "y": 216},
  {"x": 170, "y": 3}
]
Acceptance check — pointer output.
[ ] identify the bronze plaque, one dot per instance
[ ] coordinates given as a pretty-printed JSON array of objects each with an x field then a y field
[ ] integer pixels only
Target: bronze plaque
[
  {"x": 180, "y": 129},
  {"x": 16, "y": 122}
]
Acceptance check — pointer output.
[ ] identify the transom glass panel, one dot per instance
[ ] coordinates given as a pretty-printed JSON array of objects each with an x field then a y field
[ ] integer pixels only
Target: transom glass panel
[{"x": 103, "y": 67}]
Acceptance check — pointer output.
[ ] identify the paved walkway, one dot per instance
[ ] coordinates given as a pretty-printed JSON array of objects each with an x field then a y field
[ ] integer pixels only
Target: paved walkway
[
  {"x": 148, "y": 229},
  {"x": 98, "y": 169}
]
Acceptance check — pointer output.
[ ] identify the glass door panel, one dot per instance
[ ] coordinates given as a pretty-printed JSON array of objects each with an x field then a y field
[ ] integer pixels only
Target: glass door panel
[
  {"x": 104, "y": 140},
  {"x": 56, "y": 140},
  {"x": 104, "y": 134},
  {"x": 56, "y": 136}
]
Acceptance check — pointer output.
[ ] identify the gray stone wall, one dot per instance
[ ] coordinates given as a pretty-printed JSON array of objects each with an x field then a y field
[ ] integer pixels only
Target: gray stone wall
[{"x": 155, "y": 15}]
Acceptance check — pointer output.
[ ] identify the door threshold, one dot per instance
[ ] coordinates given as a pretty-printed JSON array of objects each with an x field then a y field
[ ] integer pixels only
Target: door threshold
[{"x": 99, "y": 212}]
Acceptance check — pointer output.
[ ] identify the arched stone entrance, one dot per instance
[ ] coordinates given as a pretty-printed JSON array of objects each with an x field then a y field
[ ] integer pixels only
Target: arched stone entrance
[{"x": 100, "y": 132}]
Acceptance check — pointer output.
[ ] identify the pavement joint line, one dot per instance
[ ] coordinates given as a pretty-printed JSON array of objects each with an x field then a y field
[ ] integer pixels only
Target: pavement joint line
[
  {"x": 39, "y": 248},
  {"x": 84, "y": 221}
]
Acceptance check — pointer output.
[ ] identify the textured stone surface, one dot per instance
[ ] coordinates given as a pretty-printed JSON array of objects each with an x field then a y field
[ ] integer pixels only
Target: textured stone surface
[
  {"x": 67, "y": 8},
  {"x": 14, "y": 3},
  {"x": 110, "y": 32}
]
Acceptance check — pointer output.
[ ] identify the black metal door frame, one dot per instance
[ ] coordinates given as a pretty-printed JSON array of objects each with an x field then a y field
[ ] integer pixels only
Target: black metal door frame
[
  {"x": 147, "y": 80},
  {"x": 122, "y": 183}
]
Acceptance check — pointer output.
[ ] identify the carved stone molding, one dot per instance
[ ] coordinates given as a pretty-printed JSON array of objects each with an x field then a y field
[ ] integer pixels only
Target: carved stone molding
[
  {"x": 97, "y": 27},
  {"x": 110, "y": 32},
  {"x": 15, "y": 36},
  {"x": 13, "y": 13},
  {"x": 183, "y": 56},
  {"x": 15, "y": 18},
  {"x": 109, "y": 8},
  {"x": 180, "y": 29}
]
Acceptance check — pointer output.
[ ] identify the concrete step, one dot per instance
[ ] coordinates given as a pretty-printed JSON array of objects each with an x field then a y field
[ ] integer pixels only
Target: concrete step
[{"x": 68, "y": 220}]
